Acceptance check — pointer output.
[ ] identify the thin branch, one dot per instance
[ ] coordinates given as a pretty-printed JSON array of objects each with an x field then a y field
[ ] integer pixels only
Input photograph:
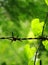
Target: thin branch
[
  {"x": 35, "y": 57},
  {"x": 41, "y": 39},
  {"x": 40, "y": 62},
  {"x": 44, "y": 23}
]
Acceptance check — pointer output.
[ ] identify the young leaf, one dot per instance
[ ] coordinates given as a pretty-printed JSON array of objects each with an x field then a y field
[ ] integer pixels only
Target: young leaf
[
  {"x": 29, "y": 52},
  {"x": 37, "y": 26}
]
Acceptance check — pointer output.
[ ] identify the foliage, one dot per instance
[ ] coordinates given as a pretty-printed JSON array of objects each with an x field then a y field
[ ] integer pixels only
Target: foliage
[
  {"x": 25, "y": 18},
  {"x": 37, "y": 27},
  {"x": 46, "y": 2}
]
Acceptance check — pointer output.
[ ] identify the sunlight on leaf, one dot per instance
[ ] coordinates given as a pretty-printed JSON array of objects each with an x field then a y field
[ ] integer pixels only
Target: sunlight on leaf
[
  {"x": 45, "y": 43},
  {"x": 30, "y": 35},
  {"x": 29, "y": 51},
  {"x": 37, "y": 62},
  {"x": 46, "y": 1},
  {"x": 31, "y": 63},
  {"x": 37, "y": 26}
]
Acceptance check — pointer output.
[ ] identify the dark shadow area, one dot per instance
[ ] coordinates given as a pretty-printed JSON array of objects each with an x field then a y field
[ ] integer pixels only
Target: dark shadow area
[{"x": 4, "y": 63}]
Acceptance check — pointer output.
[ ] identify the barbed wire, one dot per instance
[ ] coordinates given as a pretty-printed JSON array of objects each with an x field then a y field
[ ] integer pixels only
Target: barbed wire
[
  {"x": 13, "y": 38},
  {"x": 41, "y": 38}
]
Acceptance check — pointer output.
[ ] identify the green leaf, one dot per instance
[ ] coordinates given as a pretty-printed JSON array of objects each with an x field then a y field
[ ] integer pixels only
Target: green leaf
[
  {"x": 30, "y": 35},
  {"x": 46, "y": 1},
  {"x": 31, "y": 63},
  {"x": 45, "y": 43},
  {"x": 29, "y": 51},
  {"x": 37, "y": 26},
  {"x": 37, "y": 62}
]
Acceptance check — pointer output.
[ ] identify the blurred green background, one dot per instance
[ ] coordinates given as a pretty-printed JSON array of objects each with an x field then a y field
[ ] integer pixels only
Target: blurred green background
[{"x": 25, "y": 18}]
